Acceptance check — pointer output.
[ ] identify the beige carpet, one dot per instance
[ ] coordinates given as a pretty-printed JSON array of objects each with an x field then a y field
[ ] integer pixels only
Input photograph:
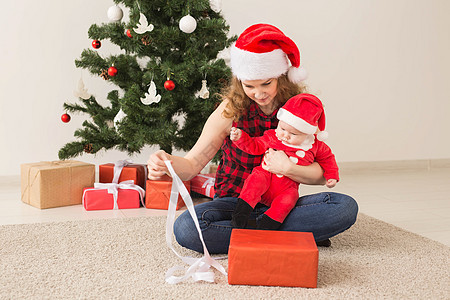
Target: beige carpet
[{"x": 127, "y": 259}]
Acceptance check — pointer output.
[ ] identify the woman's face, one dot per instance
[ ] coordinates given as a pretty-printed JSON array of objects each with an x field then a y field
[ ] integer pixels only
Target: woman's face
[{"x": 263, "y": 92}]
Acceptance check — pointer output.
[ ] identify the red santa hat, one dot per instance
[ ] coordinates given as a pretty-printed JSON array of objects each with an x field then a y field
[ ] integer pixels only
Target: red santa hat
[
  {"x": 305, "y": 113},
  {"x": 262, "y": 51}
]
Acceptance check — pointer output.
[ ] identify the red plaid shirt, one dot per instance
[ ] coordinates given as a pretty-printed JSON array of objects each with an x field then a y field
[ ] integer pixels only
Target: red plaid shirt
[{"x": 236, "y": 165}]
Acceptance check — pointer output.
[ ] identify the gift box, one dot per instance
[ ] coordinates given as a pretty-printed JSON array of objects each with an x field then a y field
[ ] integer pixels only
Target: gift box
[
  {"x": 157, "y": 193},
  {"x": 135, "y": 172},
  {"x": 272, "y": 258},
  {"x": 113, "y": 196},
  {"x": 55, "y": 183},
  {"x": 203, "y": 184}
]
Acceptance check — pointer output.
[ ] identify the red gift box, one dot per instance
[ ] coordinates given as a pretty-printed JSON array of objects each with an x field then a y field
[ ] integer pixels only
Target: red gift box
[
  {"x": 272, "y": 258},
  {"x": 135, "y": 172},
  {"x": 101, "y": 199},
  {"x": 157, "y": 193},
  {"x": 203, "y": 184}
]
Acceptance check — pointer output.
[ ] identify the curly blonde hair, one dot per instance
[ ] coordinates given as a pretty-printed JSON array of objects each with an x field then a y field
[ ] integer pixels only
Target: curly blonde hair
[{"x": 239, "y": 102}]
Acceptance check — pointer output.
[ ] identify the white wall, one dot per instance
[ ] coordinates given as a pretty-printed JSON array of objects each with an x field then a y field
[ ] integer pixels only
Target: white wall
[{"x": 381, "y": 68}]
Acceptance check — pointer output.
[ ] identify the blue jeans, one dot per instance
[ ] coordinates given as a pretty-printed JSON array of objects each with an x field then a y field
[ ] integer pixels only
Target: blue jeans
[{"x": 323, "y": 214}]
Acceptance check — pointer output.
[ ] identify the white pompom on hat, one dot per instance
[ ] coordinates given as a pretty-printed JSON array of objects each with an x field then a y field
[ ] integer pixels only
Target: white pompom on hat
[
  {"x": 305, "y": 113},
  {"x": 262, "y": 51}
]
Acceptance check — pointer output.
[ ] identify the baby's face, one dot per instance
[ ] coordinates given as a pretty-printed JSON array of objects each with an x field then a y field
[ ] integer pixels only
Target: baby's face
[{"x": 289, "y": 134}]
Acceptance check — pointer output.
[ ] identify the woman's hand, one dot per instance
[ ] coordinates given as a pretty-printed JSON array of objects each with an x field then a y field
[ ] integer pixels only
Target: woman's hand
[
  {"x": 276, "y": 162},
  {"x": 156, "y": 166}
]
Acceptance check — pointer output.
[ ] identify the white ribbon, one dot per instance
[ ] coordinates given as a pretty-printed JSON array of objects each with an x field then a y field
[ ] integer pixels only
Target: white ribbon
[
  {"x": 113, "y": 188},
  {"x": 118, "y": 166},
  {"x": 208, "y": 184},
  {"x": 209, "y": 180},
  {"x": 200, "y": 268}
]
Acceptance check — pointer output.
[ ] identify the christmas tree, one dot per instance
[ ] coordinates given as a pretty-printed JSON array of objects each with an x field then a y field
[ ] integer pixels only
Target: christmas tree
[{"x": 169, "y": 75}]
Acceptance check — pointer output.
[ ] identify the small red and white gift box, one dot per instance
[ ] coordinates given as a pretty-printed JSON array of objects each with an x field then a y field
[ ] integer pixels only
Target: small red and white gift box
[
  {"x": 123, "y": 170},
  {"x": 203, "y": 184},
  {"x": 113, "y": 196}
]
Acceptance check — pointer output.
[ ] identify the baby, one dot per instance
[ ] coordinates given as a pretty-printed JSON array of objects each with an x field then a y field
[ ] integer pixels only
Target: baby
[{"x": 300, "y": 118}]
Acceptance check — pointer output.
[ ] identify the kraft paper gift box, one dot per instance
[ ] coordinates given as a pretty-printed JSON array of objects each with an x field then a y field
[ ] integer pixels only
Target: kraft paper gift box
[
  {"x": 101, "y": 197},
  {"x": 272, "y": 258},
  {"x": 203, "y": 184},
  {"x": 135, "y": 172},
  {"x": 55, "y": 183},
  {"x": 157, "y": 193}
]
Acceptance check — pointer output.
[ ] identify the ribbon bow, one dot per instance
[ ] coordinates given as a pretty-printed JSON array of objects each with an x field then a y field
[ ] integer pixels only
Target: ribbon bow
[
  {"x": 118, "y": 166},
  {"x": 200, "y": 268},
  {"x": 209, "y": 181},
  {"x": 209, "y": 184}
]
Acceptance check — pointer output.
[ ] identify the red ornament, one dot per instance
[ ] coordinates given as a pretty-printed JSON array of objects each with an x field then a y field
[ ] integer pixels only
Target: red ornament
[
  {"x": 65, "y": 118},
  {"x": 112, "y": 71},
  {"x": 96, "y": 44},
  {"x": 169, "y": 85},
  {"x": 129, "y": 33}
]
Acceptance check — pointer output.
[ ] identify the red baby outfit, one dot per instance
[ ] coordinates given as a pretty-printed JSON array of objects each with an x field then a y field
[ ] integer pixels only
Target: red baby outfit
[
  {"x": 236, "y": 165},
  {"x": 281, "y": 193}
]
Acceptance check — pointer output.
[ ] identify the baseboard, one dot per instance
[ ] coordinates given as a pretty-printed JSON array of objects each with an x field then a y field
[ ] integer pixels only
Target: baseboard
[{"x": 393, "y": 166}]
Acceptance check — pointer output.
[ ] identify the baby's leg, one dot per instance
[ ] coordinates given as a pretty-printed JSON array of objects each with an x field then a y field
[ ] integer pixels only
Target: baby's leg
[
  {"x": 281, "y": 206},
  {"x": 254, "y": 187}
]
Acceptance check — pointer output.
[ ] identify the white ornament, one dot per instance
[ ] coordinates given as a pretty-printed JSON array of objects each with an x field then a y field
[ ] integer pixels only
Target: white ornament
[
  {"x": 151, "y": 96},
  {"x": 203, "y": 93},
  {"x": 188, "y": 24},
  {"x": 216, "y": 5},
  {"x": 110, "y": 124},
  {"x": 225, "y": 55},
  {"x": 180, "y": 119},
  {"x": 115, "y": 13},
  {"x": 81, "y": 92},
  {"x": 118, "y": 118},
  {"x": 143, "y": 26}
]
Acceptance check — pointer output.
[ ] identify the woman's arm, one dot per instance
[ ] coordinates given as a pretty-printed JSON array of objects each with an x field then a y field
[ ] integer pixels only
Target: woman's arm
[
  {"x": 214, "y": 132},
  {"x": 278, "y": 162}
]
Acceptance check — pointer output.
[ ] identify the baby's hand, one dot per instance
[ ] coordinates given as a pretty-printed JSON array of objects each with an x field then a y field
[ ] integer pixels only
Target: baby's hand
[
  {"x": 235, "y": 134},
  {"x": 331, "y": 183}
]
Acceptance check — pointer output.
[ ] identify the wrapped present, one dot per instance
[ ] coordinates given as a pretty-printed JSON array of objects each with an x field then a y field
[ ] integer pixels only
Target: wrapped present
[
  {"x": 55, "y": 183},
  {"x": 203, "y": 184},
  {"x": 113, "y": 196},
  {"x": 272, "y": 258},
  {"x": 123, "y": 170},
  {"x": 157, "y": 193}
]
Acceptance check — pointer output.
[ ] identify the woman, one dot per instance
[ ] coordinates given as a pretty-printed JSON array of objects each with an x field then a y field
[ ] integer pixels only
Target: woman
[{"x": 263, "y": 81}]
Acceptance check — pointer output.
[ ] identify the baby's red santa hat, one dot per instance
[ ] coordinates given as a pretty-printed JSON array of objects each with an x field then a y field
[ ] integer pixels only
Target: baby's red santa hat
[
  {"x": 305, "y": 113},
  {"x": 262, "y": 51}
]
